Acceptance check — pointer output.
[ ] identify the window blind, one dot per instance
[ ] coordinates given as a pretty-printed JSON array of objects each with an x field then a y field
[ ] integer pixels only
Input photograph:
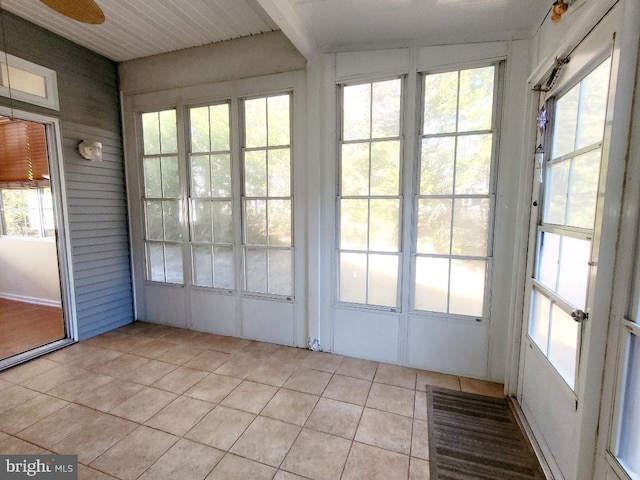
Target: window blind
[{"x": 23, "y": 155}]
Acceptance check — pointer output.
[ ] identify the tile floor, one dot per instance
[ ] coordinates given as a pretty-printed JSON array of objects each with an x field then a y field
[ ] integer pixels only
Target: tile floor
[{"x": 153, "y": 402}]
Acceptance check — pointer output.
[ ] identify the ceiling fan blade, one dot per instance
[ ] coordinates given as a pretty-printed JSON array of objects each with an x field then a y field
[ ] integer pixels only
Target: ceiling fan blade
[{"x": 86, "y": 11}]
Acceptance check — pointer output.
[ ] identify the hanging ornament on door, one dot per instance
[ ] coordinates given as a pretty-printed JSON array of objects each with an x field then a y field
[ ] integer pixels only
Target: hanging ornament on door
[{"x": 541, "y": 120}]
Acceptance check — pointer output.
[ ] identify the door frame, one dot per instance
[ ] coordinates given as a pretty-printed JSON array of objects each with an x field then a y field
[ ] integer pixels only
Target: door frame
[{"x": 53, "y": 134}]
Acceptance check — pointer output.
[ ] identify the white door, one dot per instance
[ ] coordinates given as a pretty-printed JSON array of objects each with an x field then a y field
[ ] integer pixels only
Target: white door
[{"x": 564, "y": 243}]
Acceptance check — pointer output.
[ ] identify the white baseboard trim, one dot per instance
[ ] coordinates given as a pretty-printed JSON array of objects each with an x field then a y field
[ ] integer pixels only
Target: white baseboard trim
[{"x": 33, "y": 300}]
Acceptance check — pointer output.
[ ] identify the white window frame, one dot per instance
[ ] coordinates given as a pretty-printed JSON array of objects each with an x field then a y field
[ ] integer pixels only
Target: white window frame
[{"x": 51, "y": 99}]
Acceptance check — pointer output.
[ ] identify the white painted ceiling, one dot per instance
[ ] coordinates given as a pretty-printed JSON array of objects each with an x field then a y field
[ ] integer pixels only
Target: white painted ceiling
[{"x": 139, "y": 28}]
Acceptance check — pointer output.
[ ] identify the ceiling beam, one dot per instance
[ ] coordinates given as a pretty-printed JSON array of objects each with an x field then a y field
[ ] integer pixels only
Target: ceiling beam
[{"x": 283, "y": 14}]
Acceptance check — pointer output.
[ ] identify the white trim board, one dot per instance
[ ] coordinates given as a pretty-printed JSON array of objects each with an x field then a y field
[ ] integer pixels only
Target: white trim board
[{"x": 35, "y": 301}]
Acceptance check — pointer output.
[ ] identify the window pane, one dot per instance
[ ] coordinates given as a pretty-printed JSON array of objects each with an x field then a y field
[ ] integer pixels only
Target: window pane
[
  {"x": 473, "y": 164},
  {"x": 476, "y": 99},
  {"x": 564, "y": 135},
  {"x": 21, "y": 213},
  {"x": 539, "y": 320},
  {"x": 357, "y": 112},
  {"x": 279, "y": 129},
  {"x": 354, "y": 223},
  {"x": 593, "y": 107},
  {"x": 436, "y": 166},
  {"x": 200, "y": 137},
  {"x": 431, "y": 284},
  {"x": 219, "y": 118},
  {"x": 470, "y": 227},
  {"x": 279, "y": 214},
  {"x": 256, "y": 270},
  {"x": 152, "y": 178},
  {"x": 440, "y": 103},
  {"x": 256, "y": 222},
  {"x": 222, "y": 222},
  {"x": 202, "y": 266},
  {"x": 383, "y": 280},
  {"x": 281, "y": 272},
  {"x": 223, "y": 267},
  {"x": 384, "y": 224},
  {"x": 173, "y": 263},
  {"x": 557, "y": 185},
  {"x": 155, "y": 262},
  {"x": 168, "y": 132},
  {"x": 355, "y": 169},
  {"x": 279, "y": 173},
  {"x": 434, "y": 226},
  {"x": 583, "y": 192},
  {"x": 629, "y": 444},
  {"x": 255, "y": 173},
  {"x": 353, "y": 277},
  {"x": 202, "y": 221},
  {"x": 200, "y": 176},
  {"x": 385, "y": 168},
  {"x": 548, "y": 260},
  {"x": 171, "y": 219},
  {"x": 154, "y": 221},
  {"x": 170, "y": 177},
  {"x": 151, "y": 133},
  {"x": 24, "y": 81},
  {"x": 221, "y": 175},
  {"x": 573, "y": 276},
  {"x": 255, "y": 112},
  {"x": 467, "y": 287},
  {"x": 563, "y": 344},
  {"x": 385, "y": 109}
]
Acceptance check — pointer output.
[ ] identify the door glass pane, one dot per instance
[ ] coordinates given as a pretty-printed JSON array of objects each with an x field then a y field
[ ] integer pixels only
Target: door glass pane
[
  {"x": 629, "y": 443},
  {"x": 573, "y": 276},
  {"x": 255, "y": 173},
  {"x": 255, "y": 113},
  {"x": 357, "y": 112},
  {"x": 539, "y": 320},
  {"x": 467, "y": 287},
  {"x": 563, "y": 344},
  {"x": 354, "y": 222},
  {"x": 437, "y": 165},
  {"x": 279, "y": 214},
  {"x": 279, "y": 173},
  {"x": 353, "y": 277},
  {"x": 473, "y": 164},
  {"x": 281, "y": 272},
  {"x": 223, "y": 267},
  {"x": 221, "y": 175},
  {"x": 470, "y": 226},
  {"x": 431, "y": 284},
  {"x": 200, "y": 176},
  {"x": 152, "y": 178},
  {"x": 256, "y": 222},
  {"x": 583, "y": 192},
  {"x": 355, "y": 169},
  {"x": 434, "y": 226},
  {"x": 279, "y": 130},
  {"x": 155, "y": 262},
  {"x": 154, "y": 221},
  {"x": 564, "y": 137},
  {"x": 151, "y": 133},
  {"x": 383, "y": 280},
  {"x": 202, "y": 266},
  {"x": 171, "y": 220},
  {"x": 548, "y": 259},
  {"x": 222, "y": 222},
  {"x": 168, "y": 132},
  {"x": 170, "y": 177},
  {"x": 256, "y": 270},
  {"x": 557, "y": 185},
  {"x": 440, "y": 103},
  {"x": 595, "y": 89},
  {"x": 202, "y": 221},
  {"x": 384, "y": 225},
  {"x": 476, "y": 99},
  {"x": 385, "y": 109},
  {"x": 385, "y": 168}
]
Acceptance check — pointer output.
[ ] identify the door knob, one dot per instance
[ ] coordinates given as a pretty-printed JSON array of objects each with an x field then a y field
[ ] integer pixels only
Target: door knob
[{"x": 579, "y": 315}]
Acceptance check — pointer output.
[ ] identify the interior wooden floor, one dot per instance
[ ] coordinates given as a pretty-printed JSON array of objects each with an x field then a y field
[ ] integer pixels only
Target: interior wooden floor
[{"x": 24, "y": 326}]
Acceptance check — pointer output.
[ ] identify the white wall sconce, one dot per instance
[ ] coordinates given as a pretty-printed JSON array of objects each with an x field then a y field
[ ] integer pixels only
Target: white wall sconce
[{"x": 90, "y": 150}]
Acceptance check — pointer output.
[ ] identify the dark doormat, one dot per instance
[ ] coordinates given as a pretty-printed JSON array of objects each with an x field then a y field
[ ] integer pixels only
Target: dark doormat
[{"x": 474, "y": 437}]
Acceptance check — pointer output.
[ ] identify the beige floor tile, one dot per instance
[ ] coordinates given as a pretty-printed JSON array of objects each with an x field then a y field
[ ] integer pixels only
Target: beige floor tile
[
  {"x": 15, "y": 395},
  {"x": 20, "y": 373},
  {"x": 250, "y": 397},
  {"x": 437, "y": 380},
  {"x": 179, "y": 354},
  {"x": 317, "y": 455},
  {"x": 308, "y": 381},
  {"x": 71, "y": 353},
  {"x": 110, "y": 395},
  {"x": 266, "y": 441},
  {"x": 121, "y": 366},
  {"x": 106, "y": 340},
  {"x": 180, "y": 380},
  {"x": 336, "y": 418},
  {"x": 213, "y": 388},
  {"x": 98, "y": 356},
  {"x": 481, "y": 387},
  {"x": 385, "y": 430},
  {"x": 391, "y": 399},
  {"x": 420, "y": 406},
  {"x": 154, "y": 348},
  {"x": 370, "y": 463},
  {"x": 208, "y": 360},
  {"x": 186, "y": 460},
  {"x": 396, "y": 375},
  {"x": 325, "y": 362},
  {"x": 78, "y": 388},
  {"x": 95, "y": 438},
  {"x": 420, "y": 440},
  {"x": 88, "y": 473},
  {"x": 144, "y": 404},
  {"x": 49, "y": 432},
  {"x": 239, "y": 366},
  {"x": 136, "y": 452},
  {"x": 15, "y": 446},
  {"x": 291, "y": 354},
  {"x": 221, "y": 427},
  {"x": 52, "y": 378},
  {"x": 4, "y": 385},
  {"x": 355, "y": 367},
  {"x": 149, "y": 373},
  {"x": 180, "y": 415},
  {"x": 418, "y": 469},
  {"x": 232, "y": 467},
  {"x": 3, "y": 436},
  {"x": 260, "y": 350},
  {"x": 290, "y": 406},
  {"x": 273, "y": 373},
  {"x": 30, "y": 412},
  {"x": 348, "y": 389},
  {"x": 282, "y": 475}
]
